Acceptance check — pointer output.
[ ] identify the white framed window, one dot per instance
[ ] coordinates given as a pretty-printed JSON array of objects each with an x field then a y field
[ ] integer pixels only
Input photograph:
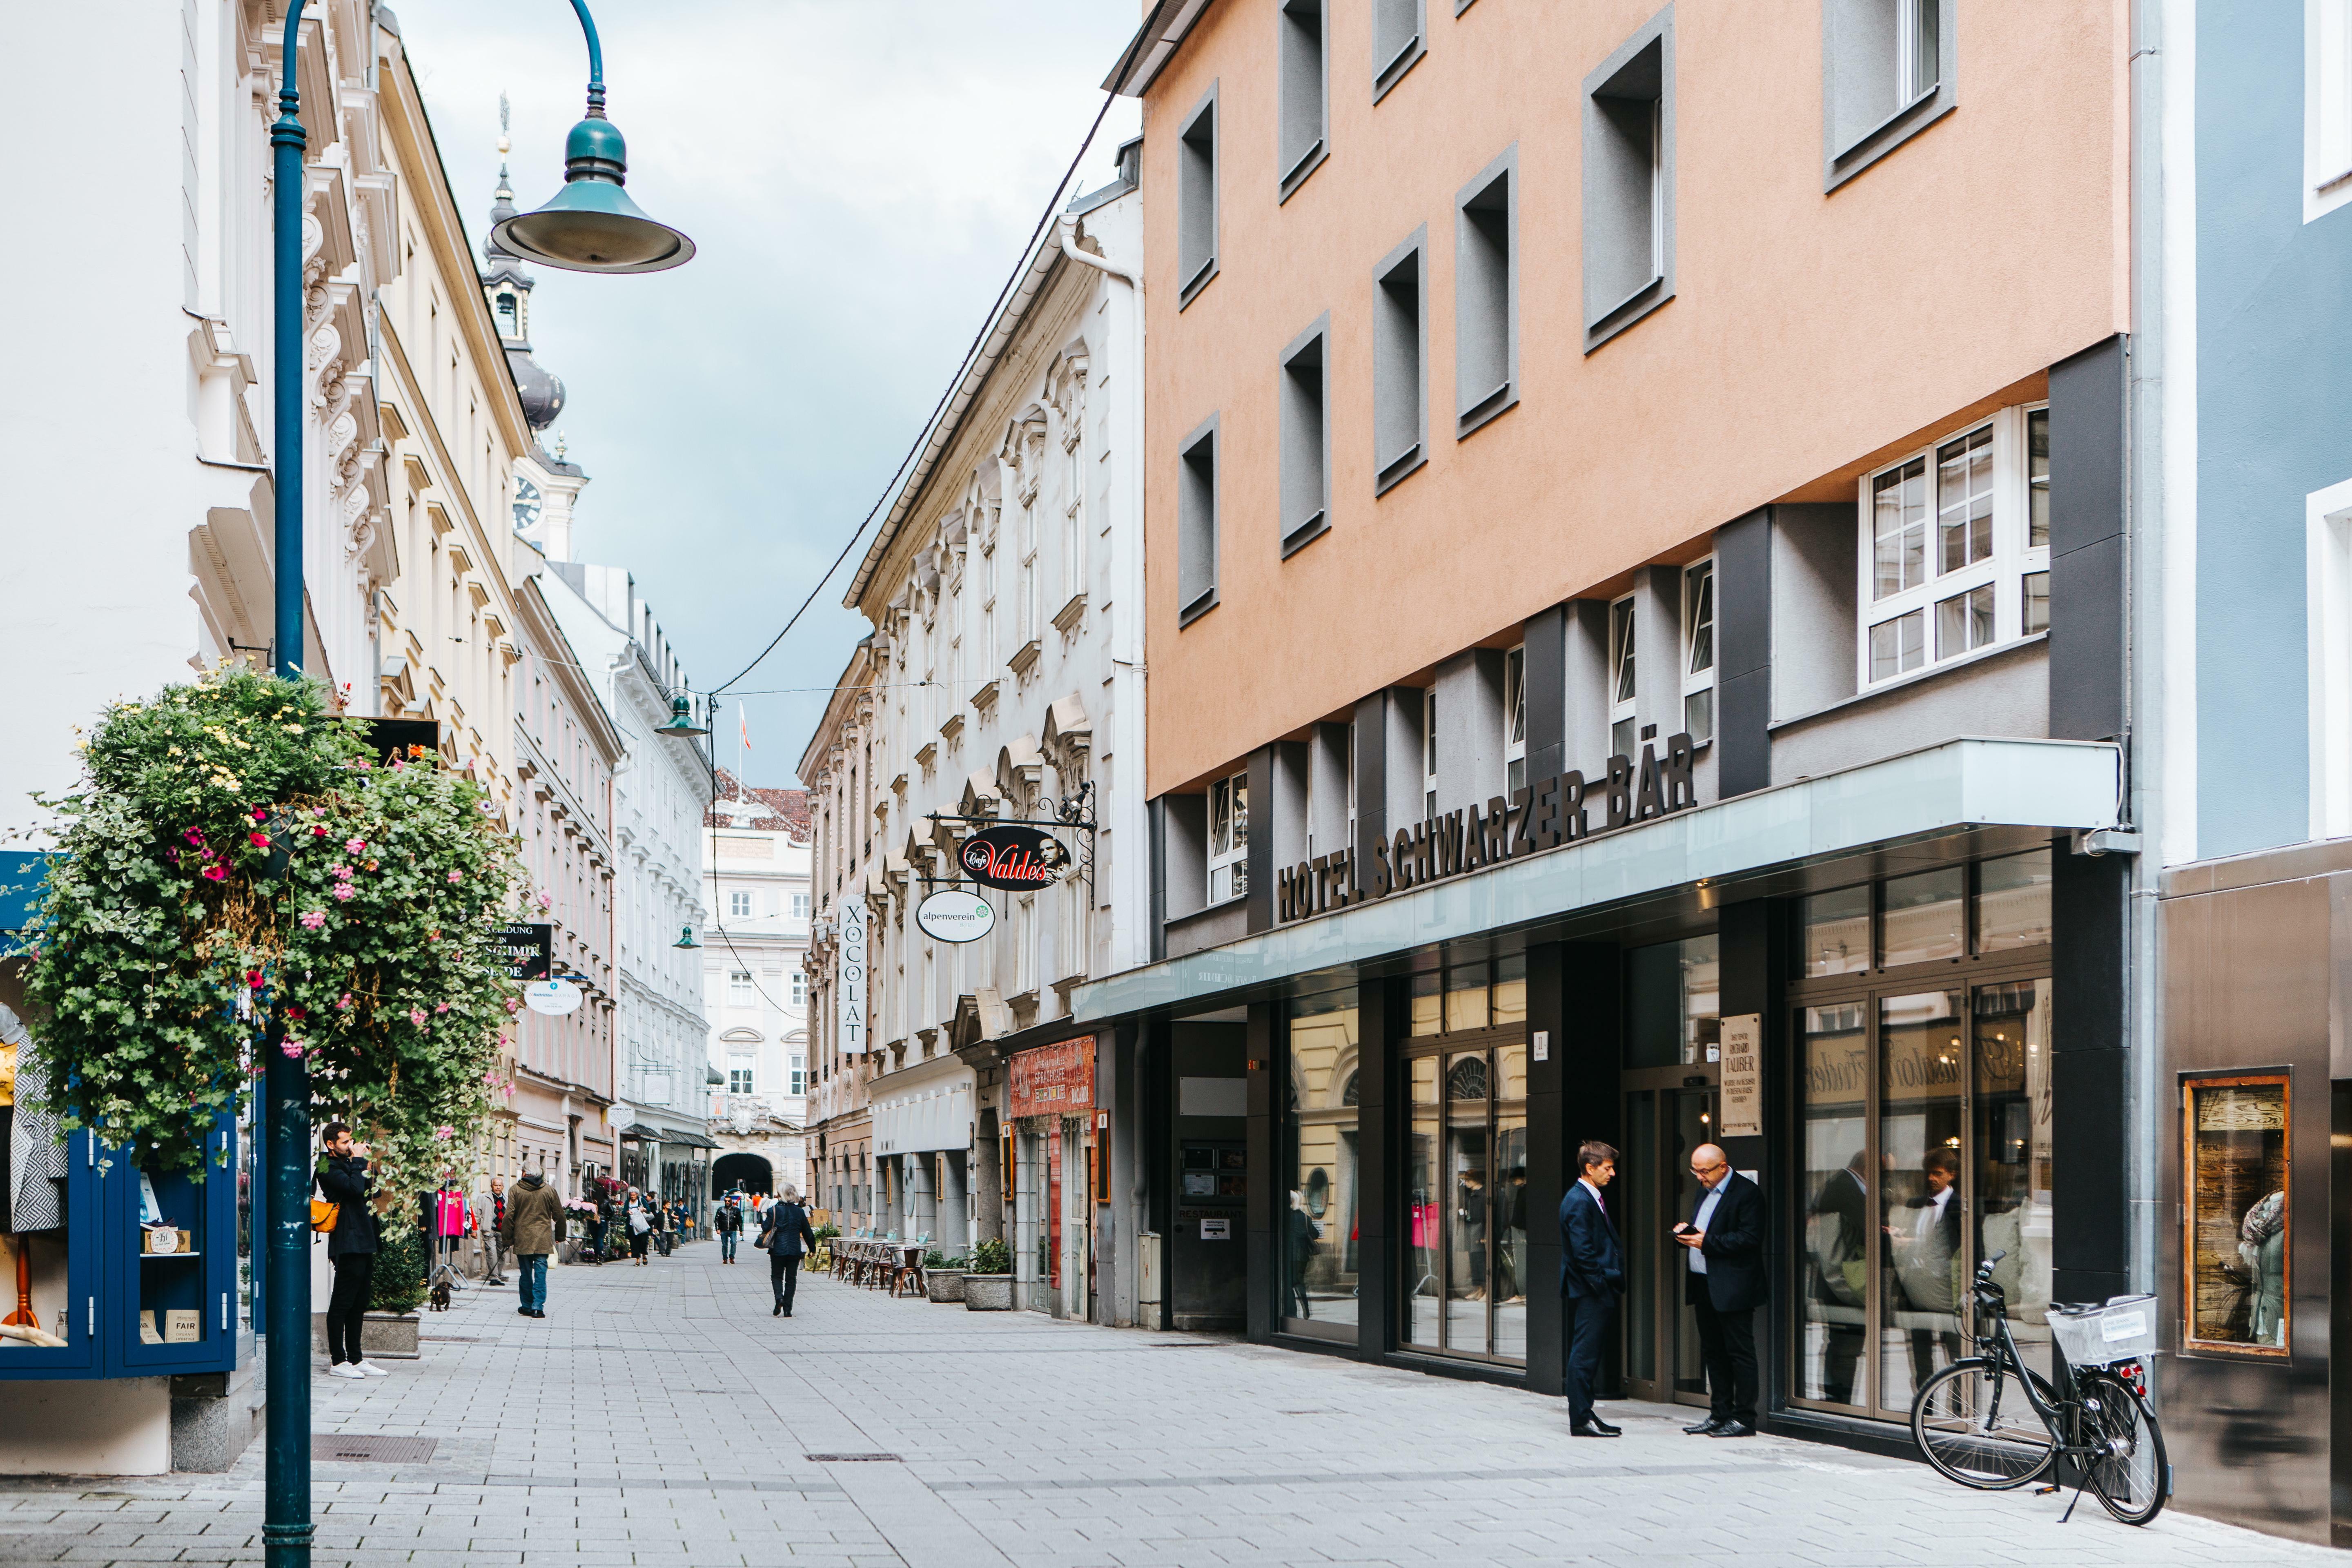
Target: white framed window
[
  {"x": 1073, "y": 510},
  {"x": 799, "y": 984},
  {"x": 1515, "y": 718},
  {"x": 2326, "y": 106},
  {"x": 1698, "y": 651},
  {"x": 739, "y": 905},
  {"x": 1229, "y": 838},
  {"x": 743, "y": 1075},
  {"x": 1428, "y": 752},
  {"x": 1620, "y": 677},
  {"x": 800, "y": 906},
  {"x": 1956, "y": 547},
  {"x": 799, "y": 1073},
  {"x": 738, "y": 988}
]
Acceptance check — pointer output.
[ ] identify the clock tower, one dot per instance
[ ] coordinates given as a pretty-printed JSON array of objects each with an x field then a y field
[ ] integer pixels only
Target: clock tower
[{"x": 546, "y": 485}]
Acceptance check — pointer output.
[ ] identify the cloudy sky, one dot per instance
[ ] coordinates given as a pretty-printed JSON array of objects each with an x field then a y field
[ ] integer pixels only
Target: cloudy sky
[{"x": 859, "y": 176}]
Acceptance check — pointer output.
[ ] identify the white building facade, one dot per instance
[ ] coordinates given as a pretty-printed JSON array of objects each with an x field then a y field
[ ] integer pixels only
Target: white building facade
[{"x": 755, "y": 937}]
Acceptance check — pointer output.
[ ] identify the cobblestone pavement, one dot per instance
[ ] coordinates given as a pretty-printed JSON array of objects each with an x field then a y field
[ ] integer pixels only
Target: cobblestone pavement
[{"x": 660, "y": 1416}]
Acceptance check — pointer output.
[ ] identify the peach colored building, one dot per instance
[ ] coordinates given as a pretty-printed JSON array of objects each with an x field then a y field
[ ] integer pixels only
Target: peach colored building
[{"x": 1635, "y": 536}]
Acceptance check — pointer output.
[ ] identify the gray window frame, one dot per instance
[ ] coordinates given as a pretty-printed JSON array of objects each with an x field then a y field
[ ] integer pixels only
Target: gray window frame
[
  {"x": 1393, "y": 61},
  {"x": 1604, "y": 319},
  {"x": 1480, "y": 401},
  {"x": 1194, "y": 275},
  {"x": 1861, "y": 150},
  {"x": 1197, "y": 514},
  {"x": 1390, "y": 381},
  {"x": 1299, "y": 161},
  {"x": 1306, "y": 515}
]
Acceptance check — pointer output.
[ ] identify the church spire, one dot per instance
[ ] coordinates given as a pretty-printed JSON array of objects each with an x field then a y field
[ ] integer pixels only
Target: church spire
[{"x": 508, "y": 285}]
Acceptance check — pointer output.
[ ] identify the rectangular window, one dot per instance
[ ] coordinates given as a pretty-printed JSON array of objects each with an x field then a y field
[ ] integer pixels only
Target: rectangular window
[
  {"x": 1515, "y": 718},
  {"x": 800, "y": 906},
  {"x": 2326, "y": 106},
  {"x": 1956, "y": 540},
  {"x": 1398, "y": 30},
  {"x": 1400, "y": 389},
  {"x": 799, "y": 983},
  {"x": 799, "y": 1074},
  {"x": 1620, "y": 677},
  {"x": 1629, "y": 188},
  {"x": 738, "y": 988},
  {"x": 1485, "y": 296},
  {"x": 741, "y": 1075},
  {"x": 1885, "y": 75},
  {"x": 1229, "y": 838},
  {"x": 1834, "y": 932},
  {"x": 1196, "y": 523},
  {"x": 2235, "y": 1217},
  {"x": 1305, "y": 81},
  {"x": 1306, "y": 440},
  {"x": 1698, "y": 652},
  {"x": 739, "y": 906},
  {"x": 1196, "y": 201}
]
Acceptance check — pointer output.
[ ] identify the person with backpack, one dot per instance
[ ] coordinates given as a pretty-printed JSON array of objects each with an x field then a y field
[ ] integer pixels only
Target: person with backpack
[
  {"x": 785, "y": 1236},
  {"x": 352, "y": 1240}
]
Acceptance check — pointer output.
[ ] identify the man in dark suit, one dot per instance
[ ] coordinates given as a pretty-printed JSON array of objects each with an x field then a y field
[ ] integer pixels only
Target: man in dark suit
[
  {"x": 1724, "y": 1285},
  {"x": 1592, "y": 1277}
]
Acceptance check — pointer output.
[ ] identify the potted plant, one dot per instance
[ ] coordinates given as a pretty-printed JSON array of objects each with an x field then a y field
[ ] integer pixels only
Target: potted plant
[
  {"x": 988, "y": 1283},
  {"x": 397, "y": 1289},
  {"x": 943, "y": 1275}
]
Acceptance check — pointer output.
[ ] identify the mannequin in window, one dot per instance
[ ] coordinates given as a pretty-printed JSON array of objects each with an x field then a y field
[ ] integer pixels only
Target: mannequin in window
[{"x": 2261, "y": 1244}]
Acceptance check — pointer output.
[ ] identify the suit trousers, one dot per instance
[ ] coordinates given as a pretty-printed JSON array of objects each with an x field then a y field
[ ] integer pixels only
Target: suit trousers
[
  {"x": 1587, "y": 1323},
  {"x": 346, "y": 1306},
  {"x": 784, "y": 1274},
  {"x": 1727, "y": 1348}
]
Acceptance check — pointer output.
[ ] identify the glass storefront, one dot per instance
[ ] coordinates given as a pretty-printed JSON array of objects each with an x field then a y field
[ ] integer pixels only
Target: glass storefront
[
  {"x": 1465, "y": 1164},
  {"x": 1923, "y": 1105},
  {"x": 1318, "y": 1235}
]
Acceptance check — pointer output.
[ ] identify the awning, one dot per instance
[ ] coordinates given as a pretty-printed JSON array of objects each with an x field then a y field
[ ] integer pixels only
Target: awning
[
  {"x": 643, "y": 1134},
  {"x": 935, "y": 1114},
  {"x": 1962, "y": 797}
]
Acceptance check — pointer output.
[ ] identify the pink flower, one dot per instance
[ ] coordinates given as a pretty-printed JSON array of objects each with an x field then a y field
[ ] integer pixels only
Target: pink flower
[
  {"x": 259, "y": 840},
  {"x": 417, "y": 1016},
  {"x": 440, "y": 1007},
  {"x": 316, "y": 831},
  {"x": 260, "y": 814},
  {"x": 455, "y": 876},
  {"x": 344, "y": 891},
  {"x": 341, "y": 873},
  {"x": 294, "y": 1047},
  {"x": 216, "y": 873},
  {"x": 192, "y": 837},
  {"x": 345, "y": 1004},
  {"x": 313, "y": 918},
  {"x": 445, "y": 1134},
  {"x": 547, "y": 901},
  {"x": 354, "y": 844},
  {"x": 513, "y": 1006}
]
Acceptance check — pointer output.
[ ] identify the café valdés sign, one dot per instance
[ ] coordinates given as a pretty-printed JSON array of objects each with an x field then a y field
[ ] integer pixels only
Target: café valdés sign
[
  {"x": 1015, "y": 856},
  {"x": 1540, "y": 815}
]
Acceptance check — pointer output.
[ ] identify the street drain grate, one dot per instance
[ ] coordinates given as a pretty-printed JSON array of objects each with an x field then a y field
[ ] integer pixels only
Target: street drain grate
[
  {"x": 853, "y": 1458},
  {"x": 374, "y": 1450}
]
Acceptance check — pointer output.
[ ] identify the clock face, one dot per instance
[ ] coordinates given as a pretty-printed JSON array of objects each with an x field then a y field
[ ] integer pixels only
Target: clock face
[{"x": 526, "y": 503}]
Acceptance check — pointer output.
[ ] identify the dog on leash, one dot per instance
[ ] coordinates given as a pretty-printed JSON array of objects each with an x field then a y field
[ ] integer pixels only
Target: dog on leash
[{"x": 441, "y": 1296}]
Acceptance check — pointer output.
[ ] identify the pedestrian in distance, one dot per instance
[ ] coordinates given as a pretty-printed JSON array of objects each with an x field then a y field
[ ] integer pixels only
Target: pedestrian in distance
[
  {"x": 532, "y": 1226},
  {"x": 641, "y": 1229},
  {"x": 728, "y": 1222},
  {"x": 491, "y": 1214},
  {"x": 1724, "y": 1283},
  {"x": 1592, "y": 1277},
  {"x": 785, "y": 1236},
  {"x": 351, "y": 1246}
]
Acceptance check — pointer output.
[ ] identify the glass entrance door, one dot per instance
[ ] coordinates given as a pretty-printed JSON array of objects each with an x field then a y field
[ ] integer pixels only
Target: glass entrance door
[
  {"x": 1466, "y": 1285},
  {"x": 1663, "y": 1124}
]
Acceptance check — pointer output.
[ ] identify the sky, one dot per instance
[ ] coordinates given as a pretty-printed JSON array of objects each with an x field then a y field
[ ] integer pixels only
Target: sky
[{"x": 859, "y": 178}]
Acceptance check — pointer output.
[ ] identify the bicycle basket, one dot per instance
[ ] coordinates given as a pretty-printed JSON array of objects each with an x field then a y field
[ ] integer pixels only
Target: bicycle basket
[{"x": 2122, "y": 1329}]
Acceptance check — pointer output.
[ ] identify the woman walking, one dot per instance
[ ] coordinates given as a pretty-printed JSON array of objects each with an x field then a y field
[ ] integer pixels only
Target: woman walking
[
  {"x": 641, "y": 1229},
  {"x": 784, "y": 1232}
]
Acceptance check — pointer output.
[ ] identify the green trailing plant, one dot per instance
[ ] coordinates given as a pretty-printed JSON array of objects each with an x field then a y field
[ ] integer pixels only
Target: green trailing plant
[
  {"x": 991, "y": 1257},
  {"x": 397, "y": 1283},
  {"x": 235, "y": 851}
]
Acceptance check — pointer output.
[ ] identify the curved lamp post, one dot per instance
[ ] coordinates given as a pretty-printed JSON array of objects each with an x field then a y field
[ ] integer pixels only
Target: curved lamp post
[{"x": 592, "y": 226}]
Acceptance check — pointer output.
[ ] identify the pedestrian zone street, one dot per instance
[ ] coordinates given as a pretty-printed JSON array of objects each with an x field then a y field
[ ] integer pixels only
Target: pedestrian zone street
[{"x": 660, "y": 1416}]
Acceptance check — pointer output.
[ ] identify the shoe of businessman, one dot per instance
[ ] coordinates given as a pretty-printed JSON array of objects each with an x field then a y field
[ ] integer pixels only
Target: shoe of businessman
[
  {"x": 1594, "y": 1429},
  {"x": 1733, "y": 1429},
  {"x": 1704, "y": 1429}
]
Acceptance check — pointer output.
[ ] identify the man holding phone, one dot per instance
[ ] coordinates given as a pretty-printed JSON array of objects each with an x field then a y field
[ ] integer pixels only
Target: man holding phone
[{"x": 1724, "y": 1285}]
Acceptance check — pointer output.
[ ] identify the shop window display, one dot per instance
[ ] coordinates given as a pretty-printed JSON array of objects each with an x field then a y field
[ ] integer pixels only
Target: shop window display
[
  {"x": 1319, "y": 1233},
  {"x": 2237, "y": 1215},
  {"x": 33, "y": 1171}
]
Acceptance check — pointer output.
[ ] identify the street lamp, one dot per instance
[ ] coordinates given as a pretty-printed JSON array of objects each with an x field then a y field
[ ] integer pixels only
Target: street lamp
[
  {"x": 590, "y": 224},
  {"x": 681, "y": 725},
  {"x": 593, "y": 226}
]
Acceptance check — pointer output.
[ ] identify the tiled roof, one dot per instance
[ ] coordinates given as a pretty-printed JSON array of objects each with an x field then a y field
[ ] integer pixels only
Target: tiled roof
[{"x": 786, "y": 809}]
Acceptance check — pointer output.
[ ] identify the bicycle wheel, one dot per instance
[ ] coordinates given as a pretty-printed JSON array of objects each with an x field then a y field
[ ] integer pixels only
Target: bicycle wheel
[
  {"x": 2130, "y": 1474},
  {"x": 1974, "y": 1423}
]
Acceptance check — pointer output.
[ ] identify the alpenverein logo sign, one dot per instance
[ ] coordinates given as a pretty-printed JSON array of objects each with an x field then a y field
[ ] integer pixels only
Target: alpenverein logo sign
[{"x": 1541, "y": 816}]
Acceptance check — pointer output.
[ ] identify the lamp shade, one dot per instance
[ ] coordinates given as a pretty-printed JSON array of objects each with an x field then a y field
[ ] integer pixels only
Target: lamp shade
[
  {"x": 592, "y": 226},
  {"x": 686, "y": 938},
  {"x": 681, "y": 725}
]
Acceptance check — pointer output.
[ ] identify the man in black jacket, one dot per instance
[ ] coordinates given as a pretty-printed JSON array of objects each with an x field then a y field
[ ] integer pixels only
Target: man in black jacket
[
  {"x": 351, "y": 1251},
  {"x": 784, "y": 1232},
  {"x": 1592, "y": 1277},
  {"x": 1724, "y": 1285}
]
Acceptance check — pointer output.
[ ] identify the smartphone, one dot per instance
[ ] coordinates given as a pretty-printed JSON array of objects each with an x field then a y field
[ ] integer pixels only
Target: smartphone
[{"x": 1684, "y": 1227}]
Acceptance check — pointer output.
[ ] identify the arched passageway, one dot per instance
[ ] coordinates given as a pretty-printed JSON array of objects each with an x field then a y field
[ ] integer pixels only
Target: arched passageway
[{"x": 754, "y": 1173}]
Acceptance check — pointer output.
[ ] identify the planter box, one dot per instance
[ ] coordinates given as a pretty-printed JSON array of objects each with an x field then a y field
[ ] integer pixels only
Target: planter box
[
  {"x": 944, "y": 1284},
  {"x": 988, "y": 1292},
  {"x": 381, "y": 1335}
]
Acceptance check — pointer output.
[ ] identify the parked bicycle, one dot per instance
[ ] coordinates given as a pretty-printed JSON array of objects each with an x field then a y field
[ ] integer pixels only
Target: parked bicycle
[{"x": 1990, "y": 1423}]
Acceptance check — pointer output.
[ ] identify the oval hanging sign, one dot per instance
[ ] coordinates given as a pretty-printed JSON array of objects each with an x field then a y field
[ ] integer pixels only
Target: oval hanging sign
[
  {"x": 1013, "y": 857},
  {"x": 553, "y": 997},
  {"x": 953, "y": 915}
]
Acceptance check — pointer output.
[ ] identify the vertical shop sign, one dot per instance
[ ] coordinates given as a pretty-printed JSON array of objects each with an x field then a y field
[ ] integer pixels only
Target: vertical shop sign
[
  {"x": 1055, "y": 1081},
  {"x": 849, "y": 979},
  {"x": 1743, "y": 1075}
]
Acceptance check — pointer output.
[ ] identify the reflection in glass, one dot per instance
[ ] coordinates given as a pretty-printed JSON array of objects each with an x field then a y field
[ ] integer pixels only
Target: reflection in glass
[
  {"x": 1510, "y": 1290},
  {"x": 1926, "y": 917},
  {"x": 1422, "y": 1206},
  {"x": 2238, "y": 1217},
  {"x": 1922, "y": 1261},
  {"x": 1694, "y": 1125},
  {"x": 2011, "y": 1130},
  {"x": 1674, "y": 999},
  {"x": 1466, "y": 997},
  {"x": 1834, "y": 1262},
  {"x": 1642, "y": 1226},
  {"x": 2013, "y": 901},
  {"x": 1469, "y": 1178},
  {"x": 1511, "y": 990},
  {"x": 1834, "y": 932},
  {"x": 1425, "y": 1003},
  {"x": 1318, "y": 1222}
]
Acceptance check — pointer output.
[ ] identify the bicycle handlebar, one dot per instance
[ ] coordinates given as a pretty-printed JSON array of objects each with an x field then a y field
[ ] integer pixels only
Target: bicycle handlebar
[{"x": 1985, "y": 1267}]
